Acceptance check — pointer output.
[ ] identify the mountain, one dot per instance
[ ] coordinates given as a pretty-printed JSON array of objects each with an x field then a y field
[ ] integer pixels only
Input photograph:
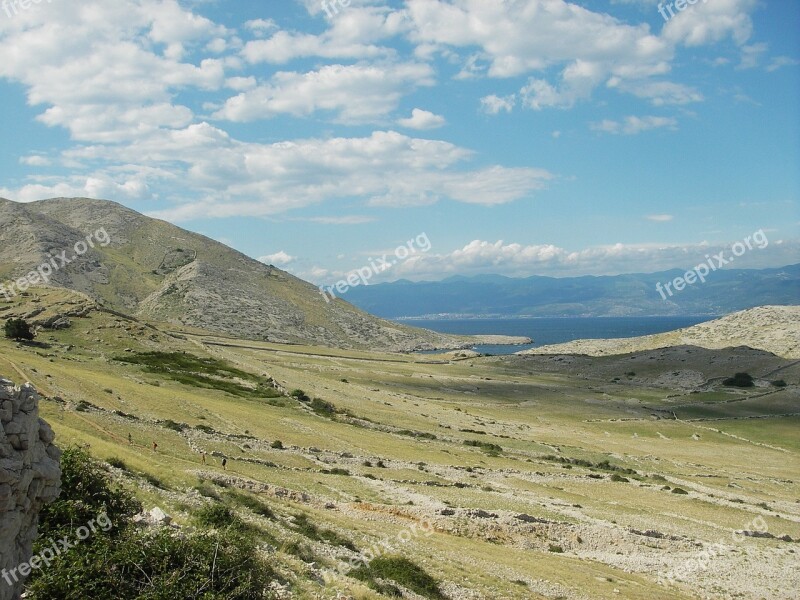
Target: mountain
[
  {"x": 774, "y": 329},
  {"x": 723, "y": 292},
  {"x": 152, "y": 269}
]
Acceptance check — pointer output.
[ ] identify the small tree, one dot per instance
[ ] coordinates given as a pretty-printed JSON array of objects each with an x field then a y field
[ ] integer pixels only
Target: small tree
[
  {"x": 18, "y": 329},
  {"x": 742, "y": 380}
]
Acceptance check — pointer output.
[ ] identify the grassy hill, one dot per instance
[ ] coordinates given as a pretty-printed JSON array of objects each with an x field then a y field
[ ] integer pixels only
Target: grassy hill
[{"x": 502, "y": 477}]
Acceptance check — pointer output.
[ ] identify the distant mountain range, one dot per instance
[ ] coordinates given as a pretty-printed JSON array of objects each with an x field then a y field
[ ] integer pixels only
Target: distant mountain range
[{"x": 724, "y": 291}]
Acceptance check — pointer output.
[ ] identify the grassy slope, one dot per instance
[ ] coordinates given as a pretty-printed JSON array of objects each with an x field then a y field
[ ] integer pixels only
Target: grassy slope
[{"x": 531, "y": 413}]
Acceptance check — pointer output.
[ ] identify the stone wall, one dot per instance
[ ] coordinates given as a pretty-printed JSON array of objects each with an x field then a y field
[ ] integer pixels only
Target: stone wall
[{"x": 30, "y": 477}]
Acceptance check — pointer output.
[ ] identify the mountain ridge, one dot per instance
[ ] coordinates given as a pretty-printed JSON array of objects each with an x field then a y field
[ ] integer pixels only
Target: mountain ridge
[
  {"x": 156, "y": 270},
  {"x": 631, "y": 294}
]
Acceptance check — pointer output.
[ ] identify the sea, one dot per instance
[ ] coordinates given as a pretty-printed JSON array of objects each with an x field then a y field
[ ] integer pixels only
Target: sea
[{"x": 555, "y": 330}]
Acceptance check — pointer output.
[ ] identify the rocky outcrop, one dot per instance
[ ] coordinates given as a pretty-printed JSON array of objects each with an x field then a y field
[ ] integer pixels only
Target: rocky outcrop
[
  {"x": 30, "y": 477},
  {"x": 774, "y": 329}
]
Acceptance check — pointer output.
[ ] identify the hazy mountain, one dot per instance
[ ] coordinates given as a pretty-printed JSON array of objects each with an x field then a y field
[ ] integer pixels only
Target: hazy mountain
[
  {"x": 153, "y": 269},
  {"x": 723, "y": 292}
]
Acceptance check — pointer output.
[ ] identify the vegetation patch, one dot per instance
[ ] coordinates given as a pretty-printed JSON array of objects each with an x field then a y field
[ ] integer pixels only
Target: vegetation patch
[
  {"x": 602, "y": 465},
  {"x": 740, "y": 380},
  {"x": 207, "y": 373},
  {"x": 122, "y": 561},
  {"x": 305, "y": 527},
  {"x": 489, "y": 448},
  {"x": 422, "y": 435},
  {"x": 401, "y": 571}
]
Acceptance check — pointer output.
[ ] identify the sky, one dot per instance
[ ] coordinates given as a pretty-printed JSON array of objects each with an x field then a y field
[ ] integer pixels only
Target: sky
[{"x": 517, "y": 137}]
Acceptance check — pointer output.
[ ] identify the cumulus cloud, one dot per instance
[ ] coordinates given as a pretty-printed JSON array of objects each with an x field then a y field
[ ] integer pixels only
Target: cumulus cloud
[
  {"x": 278, "y": 259},
  {"x": 422, "y": 119},
  {"x": 493, "y": 104},
  {"x": 354, "y": 93},
  {"x": 518, "y": 260}
]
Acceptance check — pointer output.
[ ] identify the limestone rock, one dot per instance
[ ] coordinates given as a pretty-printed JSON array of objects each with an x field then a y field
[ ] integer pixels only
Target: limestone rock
[{"x": 30, "y": 477}]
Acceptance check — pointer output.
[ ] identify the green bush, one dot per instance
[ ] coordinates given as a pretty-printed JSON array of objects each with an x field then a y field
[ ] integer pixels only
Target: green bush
[
  {"x": 18, "y": 329},
  {"x": 117, "y": 463},
  {"x": 742, "y": 380},
  {"x": 779, "y": 383},
  {"x": 300, "y": 395},
  {"x": 252, "y": 503},
  {"x": 322, "y": 408},
  {"x": 401, "y": 571},
  {"x": 489, "y": 448},
  {"x": 170, "y": 424},
  {"x": 86, "y": 493},
  {"x": 218, "y": 516},
  {"x": 305, "y": 527},
  {"x": 122, "y": 562},
  {"x": 154, "y": 566},
  {"x": 678, "y": 490}
]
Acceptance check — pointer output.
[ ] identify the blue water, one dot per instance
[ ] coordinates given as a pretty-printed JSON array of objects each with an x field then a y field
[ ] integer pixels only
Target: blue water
[{"x": 545, "y": 331}]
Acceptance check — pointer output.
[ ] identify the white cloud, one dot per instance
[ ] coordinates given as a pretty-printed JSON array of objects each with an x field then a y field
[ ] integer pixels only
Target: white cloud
[
  {"x": 660, "y": 218},
  {"x": 513, "y": 259},
  {"x": 751, "y": 55},
  {"x": 422, "y": 119},
  {"x": 587, "y": 49},
  {"x": 35, "y": 160},
  {"x": 343, "y": 220},
  {"x": 227, "y": 177},
  {"x": 493, "y": 104},
  {"x": 354, "y": 93},
  {"x": 277, "y": 259},
  {"x": 661, "y": 93},
  {"x": 353, "y": 34},
  {"x": 782, "y": 61},
  {"x": 261, "y": 25},
  {"x": 632, "y": 125}
]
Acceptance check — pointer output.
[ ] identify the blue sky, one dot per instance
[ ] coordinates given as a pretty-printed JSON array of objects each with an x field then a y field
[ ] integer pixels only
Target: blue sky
[{"x": 521, "y": 136}]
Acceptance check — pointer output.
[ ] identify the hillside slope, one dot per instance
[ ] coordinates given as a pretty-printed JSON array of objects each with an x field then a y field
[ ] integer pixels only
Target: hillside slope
[
  {"x": 159, "y": 271},
  {"x": 775, "y": 329}
]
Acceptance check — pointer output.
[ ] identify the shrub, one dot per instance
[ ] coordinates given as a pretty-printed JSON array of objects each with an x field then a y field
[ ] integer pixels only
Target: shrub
[
  {"x": 170, "y": 424},
  {"x": 152, "y": 565},
  {"x": 86, "y": 492},
  {"x": 556, "y": 549},
  {"x": 742, "y": 380},
  {"x": 323, "y": 408},
  {"x": 301, "y": 551},
  {"x": 18, "y": 329},
  {"x": 620, "y": 478},
  {"x": 117, "y": 463},
  {"x": 277, "y": 444},
  {"x": 401, "y": 571},
  {"x": 254, "y": 504},
  {"x": 300, "y": 395},
  {"x": 489, "y": 448},
  {"x": 678, "y": 490},
  {"x": 305, "y": 527},
  {"x": 218, "y": 516},
  {"x": 336, "y": 471},
  {"x": 779, "y": 383},
  {"x": 123, "y": 562}
]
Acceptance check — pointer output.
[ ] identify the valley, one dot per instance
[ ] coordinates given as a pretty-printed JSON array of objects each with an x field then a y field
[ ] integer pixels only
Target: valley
[{"x": 551, "y": 476}]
